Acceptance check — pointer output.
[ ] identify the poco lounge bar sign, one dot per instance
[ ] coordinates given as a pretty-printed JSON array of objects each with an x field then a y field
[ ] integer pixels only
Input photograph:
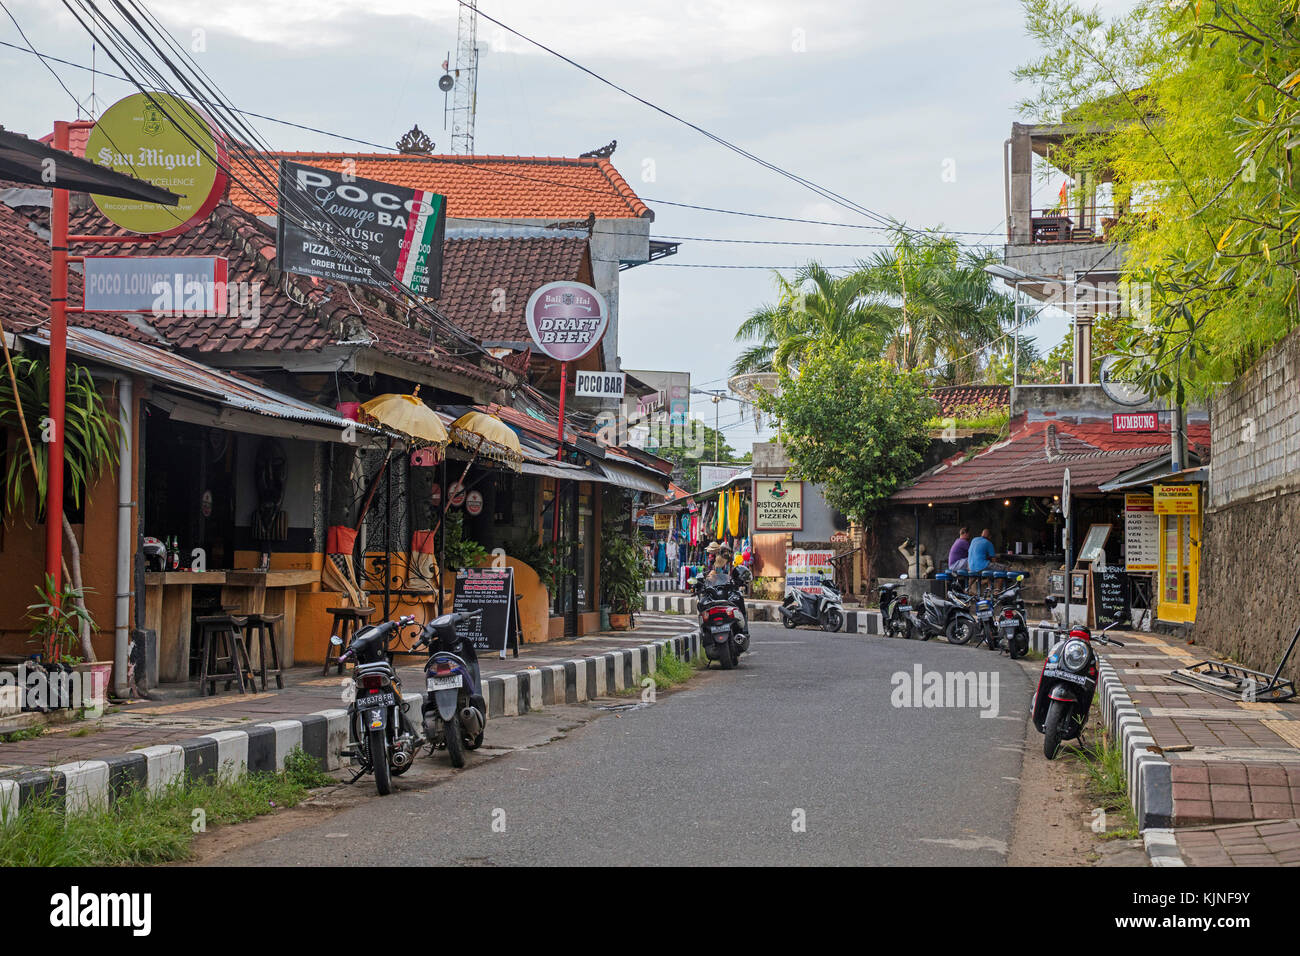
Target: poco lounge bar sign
[{"x": 334, "y": 225}]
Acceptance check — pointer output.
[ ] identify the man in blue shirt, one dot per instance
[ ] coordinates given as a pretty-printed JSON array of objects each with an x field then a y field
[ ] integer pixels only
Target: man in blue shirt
[{"x": 981, "y": 552}]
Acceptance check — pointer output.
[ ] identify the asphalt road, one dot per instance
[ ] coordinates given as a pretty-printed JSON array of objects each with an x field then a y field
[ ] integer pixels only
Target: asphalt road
[{"x": 718, "y": 772}]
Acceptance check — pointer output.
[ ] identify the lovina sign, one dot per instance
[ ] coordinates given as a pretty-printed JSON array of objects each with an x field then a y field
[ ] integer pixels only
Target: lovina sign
[
  {"x": 566, "y": 319},
  {"x": 162, "y": 139}
]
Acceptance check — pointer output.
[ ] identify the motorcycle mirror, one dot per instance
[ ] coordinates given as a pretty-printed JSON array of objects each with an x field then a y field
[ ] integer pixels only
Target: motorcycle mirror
[
  {"x": 690, "y": 582},
  {"x": 902, "y": 577},
  {"x": 1050, "y": 600},
  {"x": 336, "y": 640}
]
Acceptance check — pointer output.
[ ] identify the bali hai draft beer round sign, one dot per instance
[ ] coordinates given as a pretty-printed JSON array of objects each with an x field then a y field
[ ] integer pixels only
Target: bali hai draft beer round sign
[
  {"x": 172, "y": 144},
  {"x": 566, "y": 319}
]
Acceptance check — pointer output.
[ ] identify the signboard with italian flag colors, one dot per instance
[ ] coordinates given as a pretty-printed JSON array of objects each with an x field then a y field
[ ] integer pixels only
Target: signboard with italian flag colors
[{"x": 334, "y": 225}]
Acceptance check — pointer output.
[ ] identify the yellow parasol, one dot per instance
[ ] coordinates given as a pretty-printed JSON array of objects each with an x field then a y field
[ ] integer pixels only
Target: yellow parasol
[
  {"x": 409, "y": 415},
  {"x": 489, "y": 436}
]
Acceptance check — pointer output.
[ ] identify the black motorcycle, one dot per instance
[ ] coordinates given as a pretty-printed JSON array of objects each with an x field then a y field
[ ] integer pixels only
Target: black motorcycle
[
  {"x": 1010, "y": 630},
  {"x": 1066, "y": 685},
  {"x": 894, "y": 607},
  {"x": 454, "y": 712},
  {"x": 821, "y": 606},
  {"x": 724, "y": 627},
  {"x": 382, "y": 739}
]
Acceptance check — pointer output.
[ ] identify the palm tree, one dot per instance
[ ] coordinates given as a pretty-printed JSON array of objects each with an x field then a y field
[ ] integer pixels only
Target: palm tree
[
  {"x": 90, "y": 446},
  {"x": 813, "y": 306},
  {"x": 946, "y": 312}
]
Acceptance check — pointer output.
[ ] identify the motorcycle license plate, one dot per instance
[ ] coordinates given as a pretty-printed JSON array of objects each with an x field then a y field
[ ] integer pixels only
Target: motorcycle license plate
[
  {"x": 1065, "y": 675},
  {"x": 985, "y": 615},
  {"x": 444, "y": 683},
  {"x": 385, "y": 699}
]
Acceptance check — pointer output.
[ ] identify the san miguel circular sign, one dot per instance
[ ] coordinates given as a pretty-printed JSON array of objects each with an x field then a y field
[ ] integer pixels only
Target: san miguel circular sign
[
  {"x": 172, "y": 144},
  {"x": 566, "y": 319}
]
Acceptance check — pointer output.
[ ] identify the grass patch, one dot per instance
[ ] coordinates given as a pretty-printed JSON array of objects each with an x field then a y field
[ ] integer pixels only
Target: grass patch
[
  {"x": 669, "y": 671},
  {"x": 1104, "y": 762},
  {"x": 140, "y": 829},
  {"x": 27, "y": 733}
]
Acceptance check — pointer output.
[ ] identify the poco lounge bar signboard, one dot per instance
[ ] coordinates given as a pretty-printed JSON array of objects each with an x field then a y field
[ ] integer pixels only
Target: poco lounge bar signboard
[
  {"x": 162, "y": 139},
  {"x": 334, "y": 225},
  {"x": 778, "y": 505}
]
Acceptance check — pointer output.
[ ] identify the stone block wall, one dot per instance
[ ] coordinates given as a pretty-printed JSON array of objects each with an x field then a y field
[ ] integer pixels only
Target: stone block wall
[{"x": 1250, "y": 537}]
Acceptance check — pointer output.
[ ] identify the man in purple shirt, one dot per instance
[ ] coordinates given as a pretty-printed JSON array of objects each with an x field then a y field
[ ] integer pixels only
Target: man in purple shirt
[{"x": 959, "y": 551}]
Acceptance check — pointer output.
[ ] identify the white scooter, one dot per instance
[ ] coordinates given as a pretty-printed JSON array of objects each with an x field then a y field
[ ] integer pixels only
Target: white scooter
[{"x": 821, "y": 606}]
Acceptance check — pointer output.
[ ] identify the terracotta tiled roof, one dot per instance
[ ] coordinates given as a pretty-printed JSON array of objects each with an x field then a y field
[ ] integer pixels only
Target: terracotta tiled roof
[
  {"x": 486, "y": 282},
  {"x": 511, "y": 187},
  {"x": 956, "y": 398},
  {"x": 1033, "y": 462},
  {"x": 25, "y": 283}
]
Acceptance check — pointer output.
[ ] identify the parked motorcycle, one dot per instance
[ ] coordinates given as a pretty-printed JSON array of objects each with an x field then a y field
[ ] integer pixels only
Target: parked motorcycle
[
  {"x": 821, "y": 606},
  {"x": 894, "y": 618},
  {"x": 382, "y": 738},
  {"x": 454, "y": 712},
  {"x": 949, "y": 617},
  {"x": 724, "y": 629},
  {"x": 1011, "y": 631},
  {"x": 1066, "y": 685}
]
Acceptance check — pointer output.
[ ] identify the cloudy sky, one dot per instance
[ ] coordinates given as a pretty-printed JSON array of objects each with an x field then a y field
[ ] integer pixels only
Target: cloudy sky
[{"x": 874, "y": 99}]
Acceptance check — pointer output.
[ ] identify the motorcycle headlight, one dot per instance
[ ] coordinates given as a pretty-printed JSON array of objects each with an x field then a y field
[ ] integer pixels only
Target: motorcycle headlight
[{"x": 1075, "y": 655}]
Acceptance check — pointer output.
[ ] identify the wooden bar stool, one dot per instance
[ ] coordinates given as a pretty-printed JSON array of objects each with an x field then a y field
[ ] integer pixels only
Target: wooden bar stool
[
  {"x": 222, "y": 652},
  {"x": 346, "y": 622},
  {"x": 261, "y": 635}
]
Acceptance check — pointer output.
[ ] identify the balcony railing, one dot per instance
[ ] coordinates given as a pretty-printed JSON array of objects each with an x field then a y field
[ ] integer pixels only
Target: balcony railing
[{"x": 1092, "y": 224}]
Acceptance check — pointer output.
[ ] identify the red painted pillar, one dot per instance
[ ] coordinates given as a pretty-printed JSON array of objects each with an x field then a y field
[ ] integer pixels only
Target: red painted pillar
[
  {"x": 58, "y": 368},
  {"x": 559, "y": 451}
]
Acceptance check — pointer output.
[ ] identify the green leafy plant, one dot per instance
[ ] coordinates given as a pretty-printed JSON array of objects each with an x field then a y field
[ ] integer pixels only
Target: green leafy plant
[
  {"x": 622, "y": 570},
  {"x": 542, "y": 557},
  {"x": 852, "y": 424},
  {"x": 89, "y": 448},
  {"x": 460, "y": 551},
  {"x": 58, "y": 620}
]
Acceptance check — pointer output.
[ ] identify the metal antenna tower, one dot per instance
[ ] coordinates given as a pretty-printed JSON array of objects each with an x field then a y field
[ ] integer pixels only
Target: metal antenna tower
[{"x": 465, "y": 94}]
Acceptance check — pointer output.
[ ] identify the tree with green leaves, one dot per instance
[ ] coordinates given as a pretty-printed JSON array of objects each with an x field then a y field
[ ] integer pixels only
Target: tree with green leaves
[
  {"x": 1190, "y": 110},
  {"x": 89, "y": 444},
  {"x": 855, "y": 425},
  {"x": 687, "y": 446}
]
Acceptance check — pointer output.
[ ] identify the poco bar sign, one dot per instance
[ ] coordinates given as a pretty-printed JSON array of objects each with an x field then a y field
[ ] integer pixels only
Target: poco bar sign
[{"x": 599, "y": 384}]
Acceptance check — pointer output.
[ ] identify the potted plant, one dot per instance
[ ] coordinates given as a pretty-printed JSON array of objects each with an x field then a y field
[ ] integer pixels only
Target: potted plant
[
  {"x": 59, "y": 621},
  {"x": 622, "y": 577}
]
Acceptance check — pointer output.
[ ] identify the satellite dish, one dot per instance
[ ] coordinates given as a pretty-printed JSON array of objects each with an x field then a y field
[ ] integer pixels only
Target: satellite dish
[
  {"x": 445, "y": 83},
  {"x": 1120, "y": 389}
]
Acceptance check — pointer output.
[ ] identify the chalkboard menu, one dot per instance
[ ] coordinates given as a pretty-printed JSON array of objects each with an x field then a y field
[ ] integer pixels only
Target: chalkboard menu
[
  {"x": 1112, "y": 590},
  {"x": 493, "y": 591}
]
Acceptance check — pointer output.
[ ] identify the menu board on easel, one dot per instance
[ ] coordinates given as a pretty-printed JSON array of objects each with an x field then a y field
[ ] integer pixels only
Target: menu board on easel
[
  {"x": 491, "y": 590},
  {"x": 1093, "y": 550}
]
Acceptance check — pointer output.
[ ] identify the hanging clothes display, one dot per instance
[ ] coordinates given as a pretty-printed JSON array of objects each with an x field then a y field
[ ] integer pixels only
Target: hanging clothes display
[
  {"x": 661, "y": 558},
  {"x": 733, "y": 514}
]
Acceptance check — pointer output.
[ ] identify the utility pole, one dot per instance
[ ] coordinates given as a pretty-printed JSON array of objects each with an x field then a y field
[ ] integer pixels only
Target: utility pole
[{"x": 717, "y": 402}]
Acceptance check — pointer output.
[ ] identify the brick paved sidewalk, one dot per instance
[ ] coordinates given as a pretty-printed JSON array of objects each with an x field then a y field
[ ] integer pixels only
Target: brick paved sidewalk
[
  {"x": 1261, "y": 843},
  {"x": 148, "y": 723},
  {"x": 1230, "y": 760}
]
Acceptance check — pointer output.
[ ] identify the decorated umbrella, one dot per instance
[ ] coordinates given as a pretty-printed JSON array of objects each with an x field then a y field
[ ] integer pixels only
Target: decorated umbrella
[
  {"x": 487, "y": 435},
  {"x": 420, "y": 424}
]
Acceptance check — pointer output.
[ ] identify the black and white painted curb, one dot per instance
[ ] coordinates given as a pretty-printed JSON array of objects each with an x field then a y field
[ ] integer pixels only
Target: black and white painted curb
[
  {"x": 1162, "y": 847},
  {"x": 230, "y": 754},
  {"x": 1150, "y": 779}
]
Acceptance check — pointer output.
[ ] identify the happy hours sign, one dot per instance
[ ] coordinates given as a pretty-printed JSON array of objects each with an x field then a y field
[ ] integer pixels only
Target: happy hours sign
[{"x": 566, "y": 319}]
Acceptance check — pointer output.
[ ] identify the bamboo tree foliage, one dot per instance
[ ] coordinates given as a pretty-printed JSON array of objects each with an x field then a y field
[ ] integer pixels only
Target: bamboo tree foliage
[
  {"x": 90, "y": 446},
  {"x": 89, "y": 437},
  {"x": 1192, "y": 109}
]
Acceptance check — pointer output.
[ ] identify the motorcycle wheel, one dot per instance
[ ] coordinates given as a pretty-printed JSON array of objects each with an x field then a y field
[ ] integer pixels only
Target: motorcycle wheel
[
  {"x": 1054, "y": 728},
  {"x": 832, "y": 621},
  {"x": 724, "y": 657},
  {"x": 787, "y": 621},
  {"x": 377, "y": 747},
  {"x": 455, "y": 741},
  {"x": 959, "y": 631}
]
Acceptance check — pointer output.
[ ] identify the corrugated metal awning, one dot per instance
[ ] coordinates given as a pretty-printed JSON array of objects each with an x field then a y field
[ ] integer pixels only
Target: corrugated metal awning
[
  {"x": 633, "y": 478},
  {"x": 187, "y": 377}
]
